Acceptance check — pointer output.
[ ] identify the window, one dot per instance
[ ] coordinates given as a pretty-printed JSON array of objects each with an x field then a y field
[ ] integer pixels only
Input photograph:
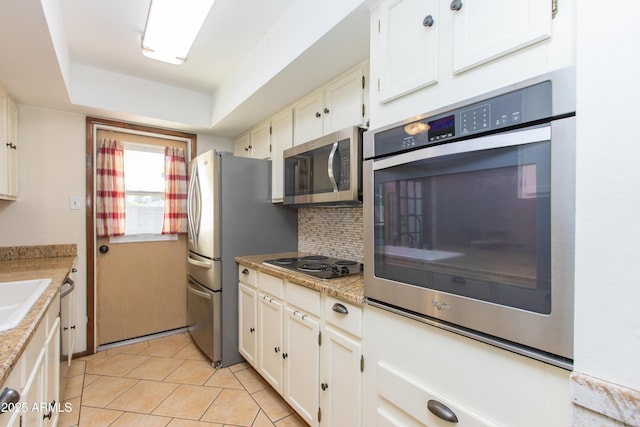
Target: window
[{"x": 144, "y": 189}]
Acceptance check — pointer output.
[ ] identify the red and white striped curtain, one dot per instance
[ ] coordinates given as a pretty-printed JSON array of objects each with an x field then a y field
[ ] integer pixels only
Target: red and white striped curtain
[
  {"x": 110, "y": 192},
  {"x": 175, "y": 191}
]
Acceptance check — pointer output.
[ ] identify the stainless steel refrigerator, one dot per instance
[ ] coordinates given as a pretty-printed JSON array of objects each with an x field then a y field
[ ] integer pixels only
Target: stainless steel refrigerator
[{"x": 230, "y": 214}]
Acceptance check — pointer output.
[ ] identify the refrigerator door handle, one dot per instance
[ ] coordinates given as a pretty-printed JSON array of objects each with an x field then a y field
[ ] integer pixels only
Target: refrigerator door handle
[
  {"x": 194, "y": 206},
  {"x": 203, "y": 264}
]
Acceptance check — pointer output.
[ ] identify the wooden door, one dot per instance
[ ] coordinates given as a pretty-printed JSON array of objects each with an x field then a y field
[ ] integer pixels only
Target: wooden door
[{"x": 141, "y": 288}]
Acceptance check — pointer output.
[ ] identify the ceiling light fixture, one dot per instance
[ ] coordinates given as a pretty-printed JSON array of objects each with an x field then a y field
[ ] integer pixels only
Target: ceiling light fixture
[{"x": 172, "y": 26}]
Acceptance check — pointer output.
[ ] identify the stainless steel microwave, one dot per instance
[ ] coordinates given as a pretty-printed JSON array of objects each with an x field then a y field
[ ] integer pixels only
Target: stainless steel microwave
[{"x": 325, "y": 171}]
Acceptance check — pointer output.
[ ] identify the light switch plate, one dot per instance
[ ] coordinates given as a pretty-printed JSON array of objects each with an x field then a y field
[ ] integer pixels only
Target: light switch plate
[{"x": 74, "y": 203}]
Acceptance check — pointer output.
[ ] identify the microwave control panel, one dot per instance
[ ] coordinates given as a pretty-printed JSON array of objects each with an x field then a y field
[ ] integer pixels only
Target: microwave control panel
[
  {"x": 510, "y": 109},
  {"x": 344, "y": 178}
]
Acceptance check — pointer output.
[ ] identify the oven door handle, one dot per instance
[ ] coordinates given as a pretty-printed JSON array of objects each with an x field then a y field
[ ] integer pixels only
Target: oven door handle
[
  {"x": 508, "y": 139},
  {"x": 332, "y": 177}
]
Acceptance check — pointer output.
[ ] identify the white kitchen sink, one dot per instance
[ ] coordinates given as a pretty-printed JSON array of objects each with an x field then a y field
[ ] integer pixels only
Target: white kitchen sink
[{"x": 16, "y": 298}]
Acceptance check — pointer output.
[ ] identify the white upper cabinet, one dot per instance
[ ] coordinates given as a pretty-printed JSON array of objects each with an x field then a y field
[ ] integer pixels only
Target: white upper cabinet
[
  {"x": 8, "y": 148},
  {"x": 261, "y": 141},
  {"x": 308, "y": 117},
  {"x": 487, "y": 29},
  {"x": 424, "y": 42},
  {"x": 409, "y": 46},
  {"x": 281, "y": 139},
  {"x": 243, "y": 145},
  {"x": 337, "y": 105}
]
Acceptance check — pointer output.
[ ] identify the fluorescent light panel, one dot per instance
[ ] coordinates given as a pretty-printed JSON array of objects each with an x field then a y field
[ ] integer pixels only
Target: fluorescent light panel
[{"x": 172, "y": 26}]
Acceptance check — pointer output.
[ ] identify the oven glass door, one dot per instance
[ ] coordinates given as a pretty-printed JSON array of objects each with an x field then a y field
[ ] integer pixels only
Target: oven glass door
[{"x": 471, "y": 223}]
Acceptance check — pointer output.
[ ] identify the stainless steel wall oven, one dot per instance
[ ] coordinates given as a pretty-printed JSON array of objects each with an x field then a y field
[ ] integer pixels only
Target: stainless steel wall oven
[{"x": 469, "y": 217}]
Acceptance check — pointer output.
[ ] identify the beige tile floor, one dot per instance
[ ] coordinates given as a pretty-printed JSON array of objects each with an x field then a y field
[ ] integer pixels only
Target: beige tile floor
[{"x": 168, "y": 382}]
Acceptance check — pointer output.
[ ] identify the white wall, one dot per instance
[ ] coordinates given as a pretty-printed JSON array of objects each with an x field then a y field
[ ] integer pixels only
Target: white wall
[
  {"x": 51, "y": 154},
  {"x": 607, "y": 322},
  {"x": 211, "y": 142}
]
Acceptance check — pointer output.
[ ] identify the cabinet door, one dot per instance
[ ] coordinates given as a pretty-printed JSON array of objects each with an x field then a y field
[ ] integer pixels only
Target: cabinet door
[
  {"x": 12, "y": 140},
  {"x": 52, "y": 376},
  {"x": 307, "y": 118},
  {"x": 68, "y": 325},
  {"x": 343, "y": 102},
  {"x": 409, "y": 45},
  {"x": 242, "y": 146},
  {"x": 302, "y": 364},
  {"x": 341, "y": 379},
  {"x": 33, "y": 393},
  {"x": 270, "y": 364},
  {"x": 261, "y": 141},
  {"x": 281, "y": 139},
  {"x": 482, "y": 32},
  {"x": 4, "y": 147},
  {"x": 247, "y": 316}
]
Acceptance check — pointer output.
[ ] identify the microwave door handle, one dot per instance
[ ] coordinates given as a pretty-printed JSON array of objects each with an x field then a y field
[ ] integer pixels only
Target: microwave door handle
[{"x": 332, "y": 177}]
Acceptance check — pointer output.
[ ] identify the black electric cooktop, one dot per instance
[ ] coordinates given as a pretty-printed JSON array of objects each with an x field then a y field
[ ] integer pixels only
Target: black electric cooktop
[{"x": 318, "y": 266}]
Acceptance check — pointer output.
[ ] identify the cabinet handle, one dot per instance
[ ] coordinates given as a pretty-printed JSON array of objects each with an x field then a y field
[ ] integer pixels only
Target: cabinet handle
[
  {"x": 326, "y": 111},
  {"x": 245, "y": 271},
  {"x": 428, "y": 21},
  {"x": 8, "y": 397},
  {"x": 324, "y": 386},
  {"x": 51, "y": 405},
  {"x": 456, "y": 5},
  {"x": 339, "y": 308},
  {"x": 318, "y": 115},
  {"x": 441, "y": 411}
]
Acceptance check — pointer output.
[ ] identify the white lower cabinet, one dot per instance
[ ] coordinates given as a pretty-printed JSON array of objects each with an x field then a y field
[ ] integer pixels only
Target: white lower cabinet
[
  {"x": 302, "y": 363},
  {"x": 308, "y": 347},
  {"x": 36, "y": 377},
  {"x": 270, "y": 364},
  {"x": 420, "y": 375}
]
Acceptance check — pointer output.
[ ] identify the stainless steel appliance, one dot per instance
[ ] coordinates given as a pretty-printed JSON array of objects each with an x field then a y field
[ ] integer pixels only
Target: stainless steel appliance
[
  {"x": 318, "y": 266},
  {"x": 469, "y": 217},
  {"x": 230, "y": 214},
  {"x": 325, "y": 171}
]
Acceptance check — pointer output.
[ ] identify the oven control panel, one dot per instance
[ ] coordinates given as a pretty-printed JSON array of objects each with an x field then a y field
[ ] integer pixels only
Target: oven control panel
[{"x": 502, "y": 111}]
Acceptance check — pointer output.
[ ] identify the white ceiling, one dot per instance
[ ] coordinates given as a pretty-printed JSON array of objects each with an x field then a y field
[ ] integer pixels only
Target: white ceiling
[{"x": 84, "y": 56}]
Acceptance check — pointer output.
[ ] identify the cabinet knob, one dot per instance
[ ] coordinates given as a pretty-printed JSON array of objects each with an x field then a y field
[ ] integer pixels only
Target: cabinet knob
[
  {"x": 276, "y": 349},
  {"x": 318, "y": 115},
  {"x": 441, "y": 411},
  {"x": 245, "y": 271},
  {"x": 326, "y": 111},
  {"x": 285, "y": 355},
  {"x": 428, "y": 21},
  {"x": 8, "y": 398},
  {"x": 456, "y": 5},
  {"x": 103, "y": 249},
  {"x": 252, "y": 330},
  {"x": 324, "y": 386}
]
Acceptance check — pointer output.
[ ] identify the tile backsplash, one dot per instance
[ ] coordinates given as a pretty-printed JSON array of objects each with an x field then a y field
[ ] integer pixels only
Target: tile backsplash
[{"x": 331, "y": 231}]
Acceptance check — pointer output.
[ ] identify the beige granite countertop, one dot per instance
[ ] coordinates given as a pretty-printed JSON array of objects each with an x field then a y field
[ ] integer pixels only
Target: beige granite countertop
[
  {"x": 25, "y": 263},
  {"x": 349, "y": 289}
]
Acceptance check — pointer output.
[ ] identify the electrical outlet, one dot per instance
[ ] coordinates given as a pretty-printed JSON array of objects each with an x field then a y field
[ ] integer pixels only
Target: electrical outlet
[{"x": 74, "y": 203}]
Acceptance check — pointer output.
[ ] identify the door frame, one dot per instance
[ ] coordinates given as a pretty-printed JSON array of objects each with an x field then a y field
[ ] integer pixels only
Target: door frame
[{"x": 92, "y": 126}]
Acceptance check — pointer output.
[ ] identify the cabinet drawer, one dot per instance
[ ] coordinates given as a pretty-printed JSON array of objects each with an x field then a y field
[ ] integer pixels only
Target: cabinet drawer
[
  {"x": 247, "y": 275},
  {"x": 343, "y": 315},
  {"x": 415, "y": 399},
  {"x": 271, "y": 284},
  {"x": 303, "y": 298}
]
